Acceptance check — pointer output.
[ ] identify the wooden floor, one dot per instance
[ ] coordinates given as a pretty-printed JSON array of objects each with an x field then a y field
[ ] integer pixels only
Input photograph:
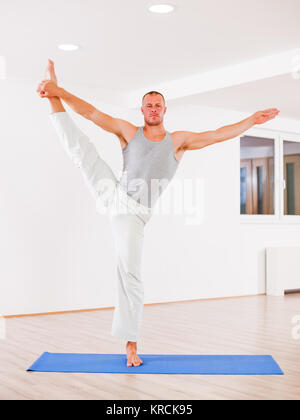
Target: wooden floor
[{"x": 246, "y": 325}]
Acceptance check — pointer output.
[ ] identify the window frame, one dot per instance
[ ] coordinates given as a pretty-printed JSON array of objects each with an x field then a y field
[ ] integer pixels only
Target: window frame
[{"x": 279, "y": 217}]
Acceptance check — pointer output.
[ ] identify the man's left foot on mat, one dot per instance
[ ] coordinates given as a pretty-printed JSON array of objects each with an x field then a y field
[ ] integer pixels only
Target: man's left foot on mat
[{"x": 132, "y": 357}]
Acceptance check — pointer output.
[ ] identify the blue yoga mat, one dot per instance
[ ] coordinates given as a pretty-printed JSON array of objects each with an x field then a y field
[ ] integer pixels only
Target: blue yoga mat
[{"x": 157, "y": 364}]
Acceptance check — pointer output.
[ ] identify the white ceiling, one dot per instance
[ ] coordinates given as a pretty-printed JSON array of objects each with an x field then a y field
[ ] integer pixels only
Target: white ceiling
[
  {"x": 282, "y": 92},
  {"x": 125, "y": 47}
]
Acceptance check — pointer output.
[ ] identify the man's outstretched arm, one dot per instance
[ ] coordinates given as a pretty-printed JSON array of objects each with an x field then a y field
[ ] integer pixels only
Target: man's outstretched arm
[
  {"x": 194, "y": 141},
  {"x": 49, "y": 88},
  {"x": 56, "y": 105}
]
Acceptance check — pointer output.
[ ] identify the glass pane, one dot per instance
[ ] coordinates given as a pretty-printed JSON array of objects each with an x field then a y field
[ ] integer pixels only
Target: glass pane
[
  {"x": 243, "y": 190},
  {"x": 290, "y": 185},
  {"x": 291, "y": 165},
  {"x": 257, "y": 175},
  {"x": 260, "y": 190}
]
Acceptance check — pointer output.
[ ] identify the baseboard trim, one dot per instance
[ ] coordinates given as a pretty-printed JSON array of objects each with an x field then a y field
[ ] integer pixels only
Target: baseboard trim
[{"x": 146, "y": 304}]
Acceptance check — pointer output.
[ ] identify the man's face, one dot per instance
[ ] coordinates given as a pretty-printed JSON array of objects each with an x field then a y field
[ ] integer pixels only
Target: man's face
[{"x": 153, "y": 109}]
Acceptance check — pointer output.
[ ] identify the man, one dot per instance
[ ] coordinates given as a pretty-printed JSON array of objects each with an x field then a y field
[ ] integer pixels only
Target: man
[{"x": 149, "y": 153}]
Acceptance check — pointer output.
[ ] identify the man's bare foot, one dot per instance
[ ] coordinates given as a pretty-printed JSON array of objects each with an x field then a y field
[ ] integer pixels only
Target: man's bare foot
[
  {"x": 50, "y": 72},
  {"x": 132, "y": 357}
]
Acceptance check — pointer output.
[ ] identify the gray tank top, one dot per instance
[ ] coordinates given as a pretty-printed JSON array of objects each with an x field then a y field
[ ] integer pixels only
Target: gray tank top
[{"x": 148, "y": 167}]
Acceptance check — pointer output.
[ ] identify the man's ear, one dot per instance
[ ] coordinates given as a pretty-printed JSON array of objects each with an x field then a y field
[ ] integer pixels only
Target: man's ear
[{"x": 142, "y": 110}]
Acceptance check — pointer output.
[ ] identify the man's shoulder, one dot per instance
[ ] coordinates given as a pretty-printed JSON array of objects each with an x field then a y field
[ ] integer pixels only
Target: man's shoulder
[{"x": 127, "y": 130}]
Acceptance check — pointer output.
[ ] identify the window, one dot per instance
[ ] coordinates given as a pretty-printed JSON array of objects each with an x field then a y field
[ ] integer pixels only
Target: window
[
  {"x": 269, "y": 177},
  {"x": 257, "y": 175}
]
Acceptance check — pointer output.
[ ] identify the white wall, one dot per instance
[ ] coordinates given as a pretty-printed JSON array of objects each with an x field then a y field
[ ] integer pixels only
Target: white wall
[{"x": 57, "y": 252}]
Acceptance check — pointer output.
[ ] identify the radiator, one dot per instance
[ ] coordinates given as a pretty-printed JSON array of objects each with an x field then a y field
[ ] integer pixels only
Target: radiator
[{"x": 282, "y": 269}]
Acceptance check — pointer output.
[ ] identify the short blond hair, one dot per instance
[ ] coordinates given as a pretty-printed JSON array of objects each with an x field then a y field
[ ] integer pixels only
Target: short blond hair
[{"x": 153, "y": 92}]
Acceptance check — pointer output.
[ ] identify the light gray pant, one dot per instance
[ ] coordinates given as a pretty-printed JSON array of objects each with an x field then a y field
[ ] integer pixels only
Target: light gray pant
[{"x": 128, "y": 219}]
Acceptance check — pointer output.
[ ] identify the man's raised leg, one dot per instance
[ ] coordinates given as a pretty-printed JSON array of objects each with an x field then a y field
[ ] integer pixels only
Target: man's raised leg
[{"x": 99, "y": 177}]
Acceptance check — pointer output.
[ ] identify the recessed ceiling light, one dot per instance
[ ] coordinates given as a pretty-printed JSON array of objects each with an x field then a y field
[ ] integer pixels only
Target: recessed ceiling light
[
  {"x": 68, "y": 47},
  {"x": 161, "y": 8}
]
